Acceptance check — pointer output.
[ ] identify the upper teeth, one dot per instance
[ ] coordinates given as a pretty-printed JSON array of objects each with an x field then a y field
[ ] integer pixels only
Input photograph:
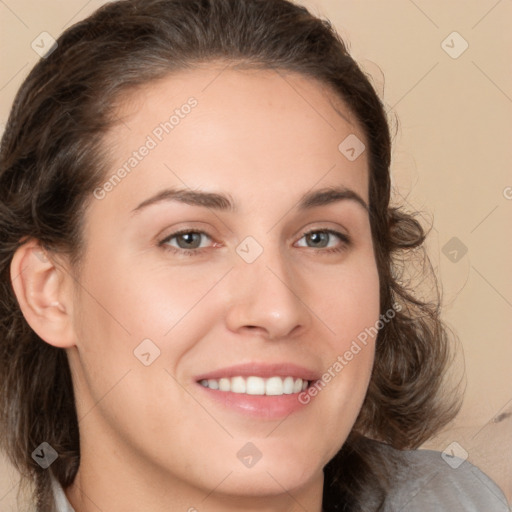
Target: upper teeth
[{"x": 257, "y": 385}]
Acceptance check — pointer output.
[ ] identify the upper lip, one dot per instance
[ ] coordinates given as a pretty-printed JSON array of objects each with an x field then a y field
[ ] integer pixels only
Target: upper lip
[{"x": 261, "y": 370}]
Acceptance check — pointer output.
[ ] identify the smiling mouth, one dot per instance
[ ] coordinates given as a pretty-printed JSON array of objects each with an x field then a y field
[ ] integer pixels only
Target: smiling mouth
[{"x": 253, "y": 385}]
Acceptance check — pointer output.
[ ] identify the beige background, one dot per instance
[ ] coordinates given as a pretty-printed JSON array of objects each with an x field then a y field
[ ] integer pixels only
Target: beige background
[{"x": 451, "y": 160}]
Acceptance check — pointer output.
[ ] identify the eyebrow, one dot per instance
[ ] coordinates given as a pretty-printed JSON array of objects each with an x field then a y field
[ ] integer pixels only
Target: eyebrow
[{"x": 221, "y": 202}]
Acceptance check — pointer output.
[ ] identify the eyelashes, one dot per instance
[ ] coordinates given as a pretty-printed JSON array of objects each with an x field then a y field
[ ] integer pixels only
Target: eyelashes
[{"x": 191, "y": 241}]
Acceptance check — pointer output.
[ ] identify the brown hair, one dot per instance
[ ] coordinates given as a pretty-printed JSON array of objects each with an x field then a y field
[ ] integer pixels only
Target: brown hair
[{"x": 51, "y": 160}]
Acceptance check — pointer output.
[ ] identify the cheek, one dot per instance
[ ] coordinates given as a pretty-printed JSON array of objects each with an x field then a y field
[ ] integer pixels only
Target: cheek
[
  {"x": 125, "y": 311},
  {"x": 349, "y": 301},
  {"x": 135, "y": 302},
  {"x": 349, "y": 308},
  {"x": 124, "y": 314}
]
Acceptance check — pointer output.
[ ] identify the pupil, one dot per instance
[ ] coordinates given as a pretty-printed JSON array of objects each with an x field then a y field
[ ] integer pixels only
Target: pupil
[
  {"x": 189, "y": 239},
  {"x": 317, "y": 238}
]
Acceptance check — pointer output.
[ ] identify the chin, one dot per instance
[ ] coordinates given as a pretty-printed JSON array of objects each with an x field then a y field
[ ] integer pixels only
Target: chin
[
  {"x": 270, "y": 480},
  {"x": 270, "y": 470}
]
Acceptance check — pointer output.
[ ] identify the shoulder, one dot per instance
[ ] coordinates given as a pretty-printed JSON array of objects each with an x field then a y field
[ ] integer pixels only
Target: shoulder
[{"x": 431, "y": 481}]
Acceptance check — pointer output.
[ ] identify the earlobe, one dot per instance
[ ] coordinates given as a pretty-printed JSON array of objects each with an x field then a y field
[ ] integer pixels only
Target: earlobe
[{"x": 43, "y": 295}]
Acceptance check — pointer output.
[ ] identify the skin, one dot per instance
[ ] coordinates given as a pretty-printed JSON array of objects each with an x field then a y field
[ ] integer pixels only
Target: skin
[{"x": 149, "y": 437}]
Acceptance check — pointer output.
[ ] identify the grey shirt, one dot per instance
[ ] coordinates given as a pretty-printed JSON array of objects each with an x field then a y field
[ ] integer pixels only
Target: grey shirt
[{"x": 430, "y": 483}]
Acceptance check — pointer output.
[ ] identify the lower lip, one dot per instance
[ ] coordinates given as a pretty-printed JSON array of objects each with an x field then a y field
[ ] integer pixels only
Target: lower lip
[{"x": 260, "y": 406}]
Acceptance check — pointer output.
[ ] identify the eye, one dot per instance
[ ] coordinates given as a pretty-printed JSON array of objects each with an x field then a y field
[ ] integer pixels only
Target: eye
[
  {"x": 332, "y": 241},
  {"x": 185, "y": 241},
  {"x": 192, "y": 242}
]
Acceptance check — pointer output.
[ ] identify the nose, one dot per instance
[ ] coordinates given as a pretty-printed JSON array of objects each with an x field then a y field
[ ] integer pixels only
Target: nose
[{"x": 267, "y": 299}]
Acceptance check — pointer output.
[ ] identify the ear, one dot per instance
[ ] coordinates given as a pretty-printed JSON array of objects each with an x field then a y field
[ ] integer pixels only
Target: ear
[{"x": 44, "y": 294}]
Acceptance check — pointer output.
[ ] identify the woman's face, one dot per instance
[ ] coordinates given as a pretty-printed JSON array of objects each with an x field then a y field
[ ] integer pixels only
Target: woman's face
[{"x": 244, "y": 298}]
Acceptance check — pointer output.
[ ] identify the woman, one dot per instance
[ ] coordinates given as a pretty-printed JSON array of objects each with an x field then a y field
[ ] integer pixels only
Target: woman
[{"x": 200, "y": 305}]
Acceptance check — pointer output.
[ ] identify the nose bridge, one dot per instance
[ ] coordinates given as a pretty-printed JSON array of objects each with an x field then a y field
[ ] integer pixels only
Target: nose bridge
[{"x": 264, "y": 293}]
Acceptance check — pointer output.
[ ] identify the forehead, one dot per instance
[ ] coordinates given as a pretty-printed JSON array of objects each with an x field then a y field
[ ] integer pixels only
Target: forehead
[{"x": 244, "y": 129}]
